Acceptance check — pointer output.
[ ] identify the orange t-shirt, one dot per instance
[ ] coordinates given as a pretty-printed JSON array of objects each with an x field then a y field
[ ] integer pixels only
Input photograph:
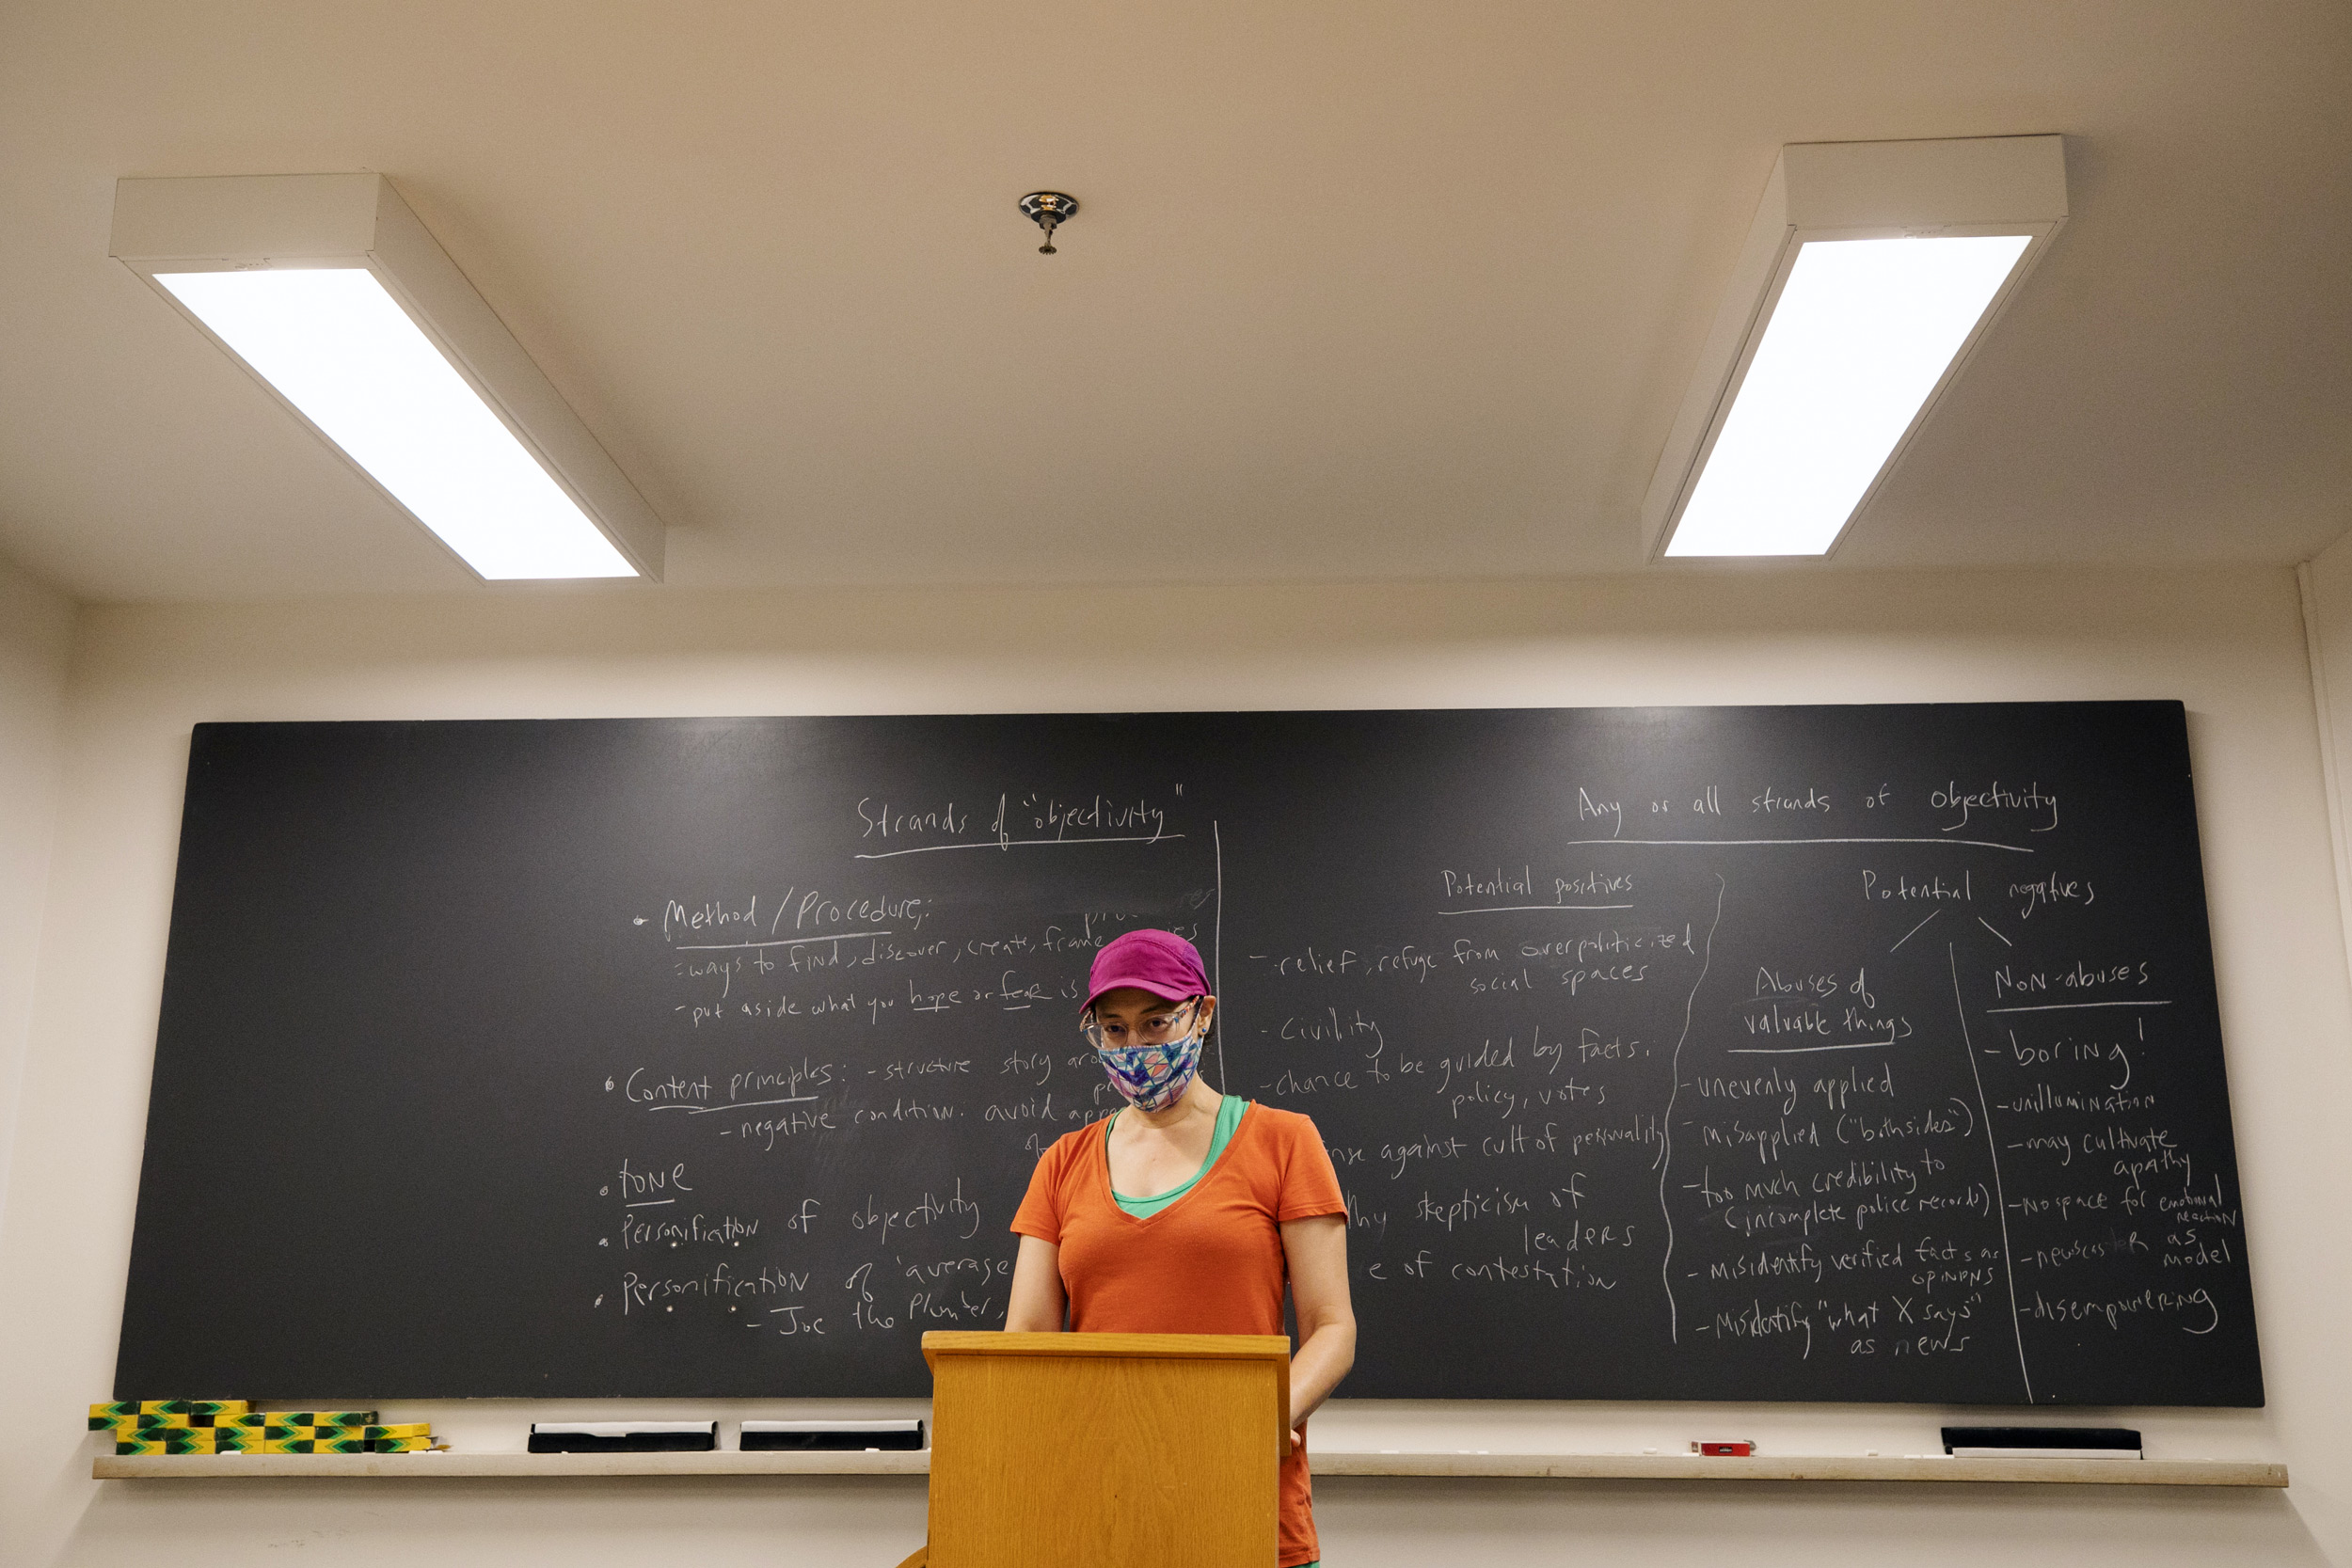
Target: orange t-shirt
[{"x": 1209, "y": 1263}]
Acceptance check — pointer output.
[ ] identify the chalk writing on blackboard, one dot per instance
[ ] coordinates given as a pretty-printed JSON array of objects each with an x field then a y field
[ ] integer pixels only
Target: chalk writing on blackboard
[{"x": 1831, "y": 1053}]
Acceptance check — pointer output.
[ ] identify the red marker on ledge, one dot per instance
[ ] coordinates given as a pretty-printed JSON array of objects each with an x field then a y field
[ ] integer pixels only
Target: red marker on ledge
[{"x": 1725, "y": 1450}]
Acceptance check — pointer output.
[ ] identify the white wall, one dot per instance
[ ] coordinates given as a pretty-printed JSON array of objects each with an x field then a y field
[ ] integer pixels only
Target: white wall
[
  {"x": 36, "y": 628},
  {"x": 2229, "y": 643},
  {"x": 2326, "y": 584}
]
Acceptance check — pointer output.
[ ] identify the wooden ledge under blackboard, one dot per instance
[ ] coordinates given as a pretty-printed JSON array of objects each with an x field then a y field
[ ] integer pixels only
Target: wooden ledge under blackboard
[{"x": 1555, "y": 1466}]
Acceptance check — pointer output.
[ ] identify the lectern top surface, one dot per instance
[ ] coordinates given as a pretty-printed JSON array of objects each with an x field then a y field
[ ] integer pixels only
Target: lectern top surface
[{"x": 1191, "y": 1347}]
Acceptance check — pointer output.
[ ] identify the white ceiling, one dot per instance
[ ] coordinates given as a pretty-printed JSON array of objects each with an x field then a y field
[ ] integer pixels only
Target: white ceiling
[{"x": 1360, "y": 289}]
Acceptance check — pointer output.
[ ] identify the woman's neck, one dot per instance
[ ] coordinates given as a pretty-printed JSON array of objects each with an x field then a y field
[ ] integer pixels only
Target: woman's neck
[{"x": 1197, "y": 1099}]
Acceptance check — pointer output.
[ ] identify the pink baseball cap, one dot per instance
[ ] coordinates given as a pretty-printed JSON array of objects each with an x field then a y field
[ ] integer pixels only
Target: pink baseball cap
[{"x": 1161, "y": 962}]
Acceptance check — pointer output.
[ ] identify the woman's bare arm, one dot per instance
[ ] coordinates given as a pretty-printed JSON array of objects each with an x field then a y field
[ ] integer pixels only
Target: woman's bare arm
[
  {"x": 1038, "y": 1303},
  {"x": 1317, "y": 1251}
]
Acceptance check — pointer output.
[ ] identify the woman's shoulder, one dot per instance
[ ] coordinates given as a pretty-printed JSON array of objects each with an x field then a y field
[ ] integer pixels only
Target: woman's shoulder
[
  {"x": 1072, "y": 1143},
  {"x": 1296, "y": 1166},
  {"x": 1287, "y": 1127}
]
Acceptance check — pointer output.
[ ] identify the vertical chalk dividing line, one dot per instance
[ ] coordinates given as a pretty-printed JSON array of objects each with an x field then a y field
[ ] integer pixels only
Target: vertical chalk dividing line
[
  {"x": 2000, "y": 1199},
  {"x": 1217, "y": 945},
  {"x": 1666, "y": 1124}
]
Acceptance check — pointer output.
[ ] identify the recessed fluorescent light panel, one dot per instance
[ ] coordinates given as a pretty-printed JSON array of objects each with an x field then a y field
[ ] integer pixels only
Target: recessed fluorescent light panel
[
  {"x": 328, "y": 290},
  {"x": 334, "y": 344},
  {"x": 1864, "y": 332},
  {"x": 1873, "y": 269}
]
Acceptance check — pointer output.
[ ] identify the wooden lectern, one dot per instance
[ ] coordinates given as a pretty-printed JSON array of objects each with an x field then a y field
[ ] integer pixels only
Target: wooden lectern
[{"x": 1105, "y": 1451}]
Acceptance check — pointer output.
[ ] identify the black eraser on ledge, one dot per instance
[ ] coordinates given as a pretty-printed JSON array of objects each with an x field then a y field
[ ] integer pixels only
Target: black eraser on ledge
[
  {"x": 2040, "y": 1437},
  {"x": 831, "y": 1436},
  {"x": 624, "y": 1436}
]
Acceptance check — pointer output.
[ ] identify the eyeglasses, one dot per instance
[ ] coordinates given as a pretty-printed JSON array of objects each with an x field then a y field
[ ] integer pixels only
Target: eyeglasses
[{"x": 1153, "y": 1028}]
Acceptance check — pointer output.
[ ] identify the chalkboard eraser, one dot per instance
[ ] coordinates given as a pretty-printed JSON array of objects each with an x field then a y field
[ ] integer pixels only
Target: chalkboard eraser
[
  {"x": 2041, "y": 1443},
  {"x": 624, "y": 1436},
  {"x": 831, "y": 1436}
]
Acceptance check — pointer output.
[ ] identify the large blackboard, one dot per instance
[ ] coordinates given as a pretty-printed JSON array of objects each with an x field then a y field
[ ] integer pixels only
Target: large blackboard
[{"x": 1858, "y": 1054}]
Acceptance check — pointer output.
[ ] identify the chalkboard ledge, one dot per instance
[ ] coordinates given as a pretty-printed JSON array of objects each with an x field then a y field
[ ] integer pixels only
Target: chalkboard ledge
[
  {"x": 1559, "y": 1466},
  {"x": 1604, "y": 1466}
]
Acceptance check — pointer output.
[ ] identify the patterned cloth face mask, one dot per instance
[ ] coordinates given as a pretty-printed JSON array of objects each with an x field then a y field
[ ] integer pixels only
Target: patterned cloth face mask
[{"x": 1151, "y": 1075}]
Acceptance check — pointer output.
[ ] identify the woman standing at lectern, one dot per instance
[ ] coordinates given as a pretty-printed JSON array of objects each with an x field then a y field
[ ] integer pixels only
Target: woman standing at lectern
[{"x": 1188, "y": 1211}]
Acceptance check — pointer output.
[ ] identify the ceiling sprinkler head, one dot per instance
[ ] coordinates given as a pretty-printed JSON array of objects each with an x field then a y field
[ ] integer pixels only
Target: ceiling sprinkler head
[{"x": 1050, "y": 210}]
